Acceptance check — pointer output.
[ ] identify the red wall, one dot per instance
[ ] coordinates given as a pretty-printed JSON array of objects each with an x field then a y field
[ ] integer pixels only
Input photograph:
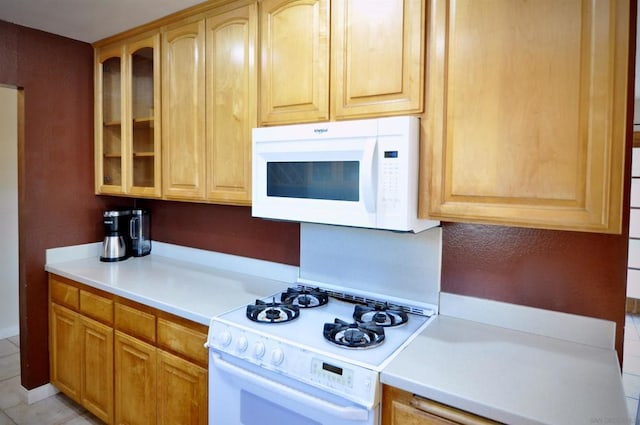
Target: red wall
[{"x": 574, "y": 272}]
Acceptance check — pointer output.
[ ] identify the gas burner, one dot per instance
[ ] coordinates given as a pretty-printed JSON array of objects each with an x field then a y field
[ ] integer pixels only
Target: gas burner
[
  {"x": 305, "y": 298},
  {"x": 273, "y": 312},
  {"x": 381, "y": 315},
  {"x": 354, "y": 335}
]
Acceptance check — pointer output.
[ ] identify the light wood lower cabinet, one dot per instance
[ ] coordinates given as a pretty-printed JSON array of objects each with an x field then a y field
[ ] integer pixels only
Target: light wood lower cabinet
[
  {"x": 81, "y": 349},
  {"x": 126, "y": 363},
  {"x": 65, "y": 356},
  {"x": 97, "y": 368},
  {"x": 161, "y": 375},
  {"x": 182, "y": 391},
  {"x": 403, "y": 408},
  {"x": 135, "y": 381}
]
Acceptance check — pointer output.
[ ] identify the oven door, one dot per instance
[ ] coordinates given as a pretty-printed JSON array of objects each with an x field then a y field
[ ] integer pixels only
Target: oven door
[{"x": 243, "y": 393}]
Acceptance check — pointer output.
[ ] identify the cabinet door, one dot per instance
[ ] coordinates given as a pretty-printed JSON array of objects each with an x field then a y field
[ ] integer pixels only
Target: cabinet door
[
  {"x": 64, "y": 351},
  {"x": 135, "y": 381},
  {"x": 403, "y": 408},
  {"x": 377, "y": 57},
  {"x": 143, "y": 107},
  {"x": 526, "y": 113},
  {"x": 109, "y": 125},
  {"x": 183, "y": 112},
  {"x": 182, "y": 391},
  {"x": 231, "y": 103},
  {"x": 97, "y": 373},
  {"x": 294, "y": 72}
]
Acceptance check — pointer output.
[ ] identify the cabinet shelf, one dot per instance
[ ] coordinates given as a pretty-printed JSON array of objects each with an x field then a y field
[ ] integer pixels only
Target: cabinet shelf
[
  {"x": 112, "y": 155},
  {"x": 142, "y": 121},
  {"x": 143, "y": 154},
  {"x": 111, "y": 123}
]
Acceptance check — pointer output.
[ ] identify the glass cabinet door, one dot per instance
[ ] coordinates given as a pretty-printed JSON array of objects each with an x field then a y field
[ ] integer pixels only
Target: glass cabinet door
[
  {"x": 111, "y": 125},
  {"x": 144, "y": 154},
  {"x": 128, "y": 142}
]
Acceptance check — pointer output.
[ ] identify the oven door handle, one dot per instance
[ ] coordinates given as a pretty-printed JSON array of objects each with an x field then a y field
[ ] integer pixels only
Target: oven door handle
[{"x": 343, "y": 412}]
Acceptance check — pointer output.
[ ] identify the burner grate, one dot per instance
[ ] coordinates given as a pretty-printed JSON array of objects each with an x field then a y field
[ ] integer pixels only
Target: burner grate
[
  {"x": 305, "y": 297},
  {"x": 272, "y": 312},
  {"x": 354, "y": 335},
  {"x": 421, "y": 311}
]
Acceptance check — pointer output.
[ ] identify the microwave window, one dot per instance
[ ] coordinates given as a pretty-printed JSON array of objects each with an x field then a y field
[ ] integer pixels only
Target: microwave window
[{"x": 329, "y": 180}]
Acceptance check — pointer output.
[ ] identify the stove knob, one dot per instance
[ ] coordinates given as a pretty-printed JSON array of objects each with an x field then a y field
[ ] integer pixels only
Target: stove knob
[
  {"x": 258, "y": 350},
  {"x": 277, "y": 356},
  {"x": 225, "y": 338},
  {"x": 242, "y": 344}
]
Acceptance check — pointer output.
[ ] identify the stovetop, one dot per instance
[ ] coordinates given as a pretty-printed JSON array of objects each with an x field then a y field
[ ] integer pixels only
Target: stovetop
[{"x": 306, "y": 332}]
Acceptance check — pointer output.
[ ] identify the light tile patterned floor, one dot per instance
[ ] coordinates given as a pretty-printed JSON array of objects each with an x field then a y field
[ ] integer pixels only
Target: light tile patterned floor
[{"x": 55, "y": 410}]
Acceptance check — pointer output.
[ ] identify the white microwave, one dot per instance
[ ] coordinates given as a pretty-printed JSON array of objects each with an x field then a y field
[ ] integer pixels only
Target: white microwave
[{"x": 360, "y": 173}]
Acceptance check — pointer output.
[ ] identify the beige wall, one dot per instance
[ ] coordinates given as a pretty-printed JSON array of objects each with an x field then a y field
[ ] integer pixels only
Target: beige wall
[{"x": 8, "y": 212}]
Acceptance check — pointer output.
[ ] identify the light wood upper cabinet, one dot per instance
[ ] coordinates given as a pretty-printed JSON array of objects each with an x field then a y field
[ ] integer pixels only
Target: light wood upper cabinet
[
  {"x": 127, "y": 108},
  {"x": 109, "y": 127},
  {"x": 144, "y": 156},
  {"x": 526, "y": 113},
  {"x": 209, "y": 96},
  {"x": 183, "y": 103},
  {"x": 231, "y": 83},
  {"x": 377, "y": 54},
  {"x": 294, "y": 51},
  {"x": 375, "y": 59}
]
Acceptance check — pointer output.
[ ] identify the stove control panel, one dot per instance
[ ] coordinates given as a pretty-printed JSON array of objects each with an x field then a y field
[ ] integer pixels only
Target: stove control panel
[{"x": 350, "y": 381}]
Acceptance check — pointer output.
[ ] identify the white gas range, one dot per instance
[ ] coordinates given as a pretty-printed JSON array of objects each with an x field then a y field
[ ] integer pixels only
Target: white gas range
[{"x": 313, "y": 354}]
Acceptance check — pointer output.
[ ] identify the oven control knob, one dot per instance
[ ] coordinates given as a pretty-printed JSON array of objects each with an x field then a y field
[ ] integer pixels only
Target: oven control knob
[
  {"x": 277, "y": 356},
  {"x": 258, "y": 350},
  {"x": 242, "y": 344},
  {"x": 225, "y": 338}
]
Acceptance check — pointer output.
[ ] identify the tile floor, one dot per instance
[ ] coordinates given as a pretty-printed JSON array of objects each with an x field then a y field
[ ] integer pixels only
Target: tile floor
[
  {"x": 55, "y": 410},
  {"x": 60, "y": 410}
]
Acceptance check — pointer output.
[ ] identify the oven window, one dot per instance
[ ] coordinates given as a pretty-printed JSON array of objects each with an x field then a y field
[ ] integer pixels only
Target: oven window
[
  {"x": 258, "y": 411},
  {"x": 329, "y": 180}
]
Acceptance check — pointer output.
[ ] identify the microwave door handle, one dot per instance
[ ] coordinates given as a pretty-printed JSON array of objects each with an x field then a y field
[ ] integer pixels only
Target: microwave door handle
[
  {"x": 343, "y": 412},
  {"x": 368, "y": 194}
]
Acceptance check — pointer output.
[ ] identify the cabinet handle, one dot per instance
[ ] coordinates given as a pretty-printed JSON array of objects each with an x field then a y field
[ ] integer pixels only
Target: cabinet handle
[{"x": 447, "y": 412}]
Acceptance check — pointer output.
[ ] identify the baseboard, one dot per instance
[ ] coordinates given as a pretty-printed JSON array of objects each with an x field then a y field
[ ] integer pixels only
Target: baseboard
[
  {"x": 9, "y": 332},
  {"x": 37, "y": 394}
]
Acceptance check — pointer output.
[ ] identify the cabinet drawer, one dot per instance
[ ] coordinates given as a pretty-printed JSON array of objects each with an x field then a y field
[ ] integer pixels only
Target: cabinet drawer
[
  {"x": 183, "y": 340},
  {"x": 96, "y": 307},
  {"x": 63, "y": 293},
  {"x": 136, "y": 322}
]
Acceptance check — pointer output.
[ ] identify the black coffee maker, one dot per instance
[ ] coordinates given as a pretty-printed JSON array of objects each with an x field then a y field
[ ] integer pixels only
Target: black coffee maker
[{"x": 116, "y": 245}]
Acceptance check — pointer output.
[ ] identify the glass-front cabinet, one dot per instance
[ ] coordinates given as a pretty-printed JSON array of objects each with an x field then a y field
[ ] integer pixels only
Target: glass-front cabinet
[{"x": 127, "y": 150}]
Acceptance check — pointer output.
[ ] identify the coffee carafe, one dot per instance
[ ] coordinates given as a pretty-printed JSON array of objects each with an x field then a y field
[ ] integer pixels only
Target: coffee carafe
[
  {"x": 116, "y": 243},
  {"x": 139, "y": 232}
]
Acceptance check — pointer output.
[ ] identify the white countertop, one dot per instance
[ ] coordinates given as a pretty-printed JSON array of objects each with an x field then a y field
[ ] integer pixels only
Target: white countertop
[
  {"x": 187, "y": 282},
  {"x": 511, "y": 376}
]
